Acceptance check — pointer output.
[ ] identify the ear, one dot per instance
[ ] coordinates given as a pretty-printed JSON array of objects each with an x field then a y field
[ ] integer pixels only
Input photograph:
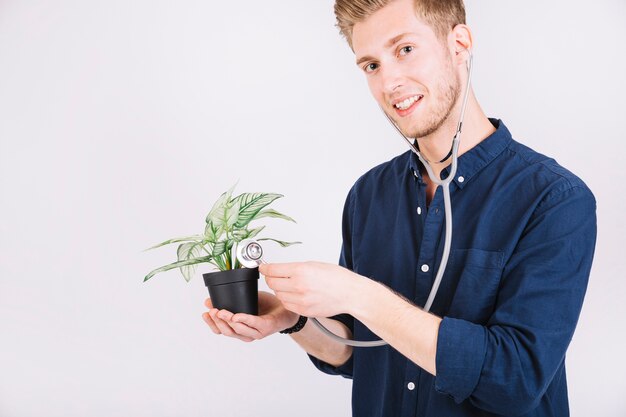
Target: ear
[{"x": 459, "y": 40}]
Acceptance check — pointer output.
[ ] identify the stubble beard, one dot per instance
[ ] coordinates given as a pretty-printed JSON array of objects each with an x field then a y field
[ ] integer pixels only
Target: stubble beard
[{"x": 444, "y": 102}]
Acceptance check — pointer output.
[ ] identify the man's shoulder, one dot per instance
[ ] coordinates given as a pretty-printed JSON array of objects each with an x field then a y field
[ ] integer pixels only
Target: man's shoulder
[
  {"x": 384, "y": 176},
  {"x": 544, "y": 171}
]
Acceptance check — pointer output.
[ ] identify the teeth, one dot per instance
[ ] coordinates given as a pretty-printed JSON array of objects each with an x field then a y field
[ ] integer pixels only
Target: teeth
[{"x": 403, "y": 105}]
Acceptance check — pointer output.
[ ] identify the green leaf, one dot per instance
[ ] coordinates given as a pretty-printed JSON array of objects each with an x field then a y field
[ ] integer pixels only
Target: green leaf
[
  {"x": 210, "y": 232},
  {"x": 254, "y": 232},
  {"x": 213, "y": 233},
  {"x": 220, "y": 248},
  {"x": 194, "y": 238},
  {"x": 220, "y": 204},
  {"x": 251, "y": 204},
  {"x": 186, "y": 251},
  {"x": 281, "y": 243},
  {"x": 231, "y": 214},
  {"x": 177, "y": 265},
  {"x": 242, "y": 234},
  {"x": 273, "y": 213}
]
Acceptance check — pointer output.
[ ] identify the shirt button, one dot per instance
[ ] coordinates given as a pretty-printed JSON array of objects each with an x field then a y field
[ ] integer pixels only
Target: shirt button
[
  {"x": 425, "y": 268},
  {"x": 419, "y": 210},
  {"x": 410, "y": 386},
  {"x": 461, "y": 179}
]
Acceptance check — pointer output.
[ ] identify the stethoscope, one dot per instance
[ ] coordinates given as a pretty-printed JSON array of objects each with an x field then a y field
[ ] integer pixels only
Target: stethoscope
[{"x": 250, "y": 253}]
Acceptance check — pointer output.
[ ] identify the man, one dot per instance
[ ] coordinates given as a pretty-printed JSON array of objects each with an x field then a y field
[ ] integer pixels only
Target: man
[{"x": 494, "y": 342}]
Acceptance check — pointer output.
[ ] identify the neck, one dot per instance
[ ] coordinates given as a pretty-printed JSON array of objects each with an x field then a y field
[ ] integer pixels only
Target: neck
[{"x": 476, "y": 127}]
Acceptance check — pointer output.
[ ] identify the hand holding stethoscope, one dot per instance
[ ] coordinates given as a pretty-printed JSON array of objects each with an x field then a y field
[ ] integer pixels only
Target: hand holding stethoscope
[{"x": 250, "y": 253}]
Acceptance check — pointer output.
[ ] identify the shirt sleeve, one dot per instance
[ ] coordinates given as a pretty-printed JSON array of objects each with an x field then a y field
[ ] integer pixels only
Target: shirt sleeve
[
  {"x": 505, "y": 366},
  {"x": 345, "y": 260}
]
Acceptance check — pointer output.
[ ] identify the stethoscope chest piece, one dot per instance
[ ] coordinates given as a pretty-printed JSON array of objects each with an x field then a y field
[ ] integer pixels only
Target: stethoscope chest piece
[{"x": 250, "y": 253}]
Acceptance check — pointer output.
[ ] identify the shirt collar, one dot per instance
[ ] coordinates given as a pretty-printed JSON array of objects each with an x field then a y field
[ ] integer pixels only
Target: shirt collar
[{"x": 474, "y": 160}]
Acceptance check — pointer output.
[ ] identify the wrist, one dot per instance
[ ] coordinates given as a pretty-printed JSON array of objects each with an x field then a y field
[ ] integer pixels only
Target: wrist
[
  {"x": 296, "y": 327},
  {"x": 363, "y": 294},
  {"x": 291, "y": 320}
]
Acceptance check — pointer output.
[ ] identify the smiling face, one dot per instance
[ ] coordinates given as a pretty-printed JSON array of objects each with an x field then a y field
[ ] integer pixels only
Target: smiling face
[{"x": 409, "y": 70}]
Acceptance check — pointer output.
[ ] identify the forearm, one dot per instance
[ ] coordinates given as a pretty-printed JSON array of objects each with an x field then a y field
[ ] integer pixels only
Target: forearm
[
  {"x": 406, "y": 327},
  {"x": 315, "y": 343}
]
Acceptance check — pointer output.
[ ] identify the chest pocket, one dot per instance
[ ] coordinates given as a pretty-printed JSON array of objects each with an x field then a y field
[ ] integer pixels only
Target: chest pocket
[{"x": 477, "y": 275}]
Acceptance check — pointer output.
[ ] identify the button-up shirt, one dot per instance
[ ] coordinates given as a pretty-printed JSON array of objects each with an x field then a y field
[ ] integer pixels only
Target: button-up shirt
[{"x": 522, "y": 247}]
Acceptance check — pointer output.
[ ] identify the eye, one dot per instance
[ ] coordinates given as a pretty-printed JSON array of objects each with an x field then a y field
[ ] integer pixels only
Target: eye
[
  {"x": 406, "y": 50},
  {"x": 371, "y": 67}
]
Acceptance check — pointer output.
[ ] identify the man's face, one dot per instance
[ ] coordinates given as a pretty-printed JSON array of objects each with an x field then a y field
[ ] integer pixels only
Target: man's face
[{"x": 410, "y": 71}]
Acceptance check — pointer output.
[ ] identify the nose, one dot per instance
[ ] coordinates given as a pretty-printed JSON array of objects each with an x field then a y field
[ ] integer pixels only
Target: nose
[{"x": 392, "y": 78}]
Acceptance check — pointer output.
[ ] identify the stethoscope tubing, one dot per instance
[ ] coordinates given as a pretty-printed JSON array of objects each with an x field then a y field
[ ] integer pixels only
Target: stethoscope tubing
[{"x": 445, "y": 185}]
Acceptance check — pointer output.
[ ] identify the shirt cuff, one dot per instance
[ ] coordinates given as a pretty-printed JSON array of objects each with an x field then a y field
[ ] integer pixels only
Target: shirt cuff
[
  {"x": 344, "y": 370},
  {"x": 461, "y": 349}
]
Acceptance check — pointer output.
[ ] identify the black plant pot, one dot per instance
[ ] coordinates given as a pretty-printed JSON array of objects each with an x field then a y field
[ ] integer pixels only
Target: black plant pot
[{"x": 236, "y": 290}]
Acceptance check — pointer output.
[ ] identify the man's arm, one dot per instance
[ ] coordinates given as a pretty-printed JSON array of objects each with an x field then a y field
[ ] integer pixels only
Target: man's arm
[
  {"x": 275, "y": 317},
  {"x": 299, "y": 287},
  {"x": 315, "y": 343},
  {"x": 503, "y": 366},
  {"x": 328, "y": 354}
]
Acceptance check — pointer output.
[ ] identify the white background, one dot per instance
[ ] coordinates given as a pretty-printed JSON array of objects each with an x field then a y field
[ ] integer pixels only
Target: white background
[{"x": 122, "y": 121}]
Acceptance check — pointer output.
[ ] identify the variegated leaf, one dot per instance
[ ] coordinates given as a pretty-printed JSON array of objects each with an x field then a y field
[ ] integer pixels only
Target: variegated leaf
[
  {"x": 252, "y": 233},
  {"x": 194, "y": 238},
  {"x": 212, "y": 233},
  {"x": 251, "y": 204},
  {"x": 219, "y": 248},
  {"x": 280, "y": 242},
  {"x": 178, "y": 265},
  {"x": 242, "y": 234},
  {"x": 218, "y": 207},
  {"x": 231, "y": 214},
  {"x": 273, "y": 213},
  {"x": 185, "y": 252}
]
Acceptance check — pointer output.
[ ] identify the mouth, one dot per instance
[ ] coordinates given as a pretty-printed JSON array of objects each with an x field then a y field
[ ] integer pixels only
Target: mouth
[{"x": 406, "y": 106}]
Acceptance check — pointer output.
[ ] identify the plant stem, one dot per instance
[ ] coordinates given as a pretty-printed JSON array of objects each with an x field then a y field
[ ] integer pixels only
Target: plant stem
[{"x": 220, "y": 263}]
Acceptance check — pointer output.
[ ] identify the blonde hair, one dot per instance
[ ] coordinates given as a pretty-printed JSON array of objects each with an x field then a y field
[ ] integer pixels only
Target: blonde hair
[{"x": 440, "y": 15}]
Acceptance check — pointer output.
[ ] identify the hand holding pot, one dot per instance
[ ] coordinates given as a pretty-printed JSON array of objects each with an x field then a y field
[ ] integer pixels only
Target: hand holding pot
[
  {"x": 272, "y": 318},
  {"x": 313, "y": 289}
]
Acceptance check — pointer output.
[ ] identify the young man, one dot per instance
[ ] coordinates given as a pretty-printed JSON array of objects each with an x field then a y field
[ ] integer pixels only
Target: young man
[{"x": 494, "y": 342}]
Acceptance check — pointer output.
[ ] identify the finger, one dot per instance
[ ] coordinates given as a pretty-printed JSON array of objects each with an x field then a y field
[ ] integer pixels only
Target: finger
[
  {"x": 225, "y": 315},
  {"x": 207, "y": 318},
  {"x": 239, "y": 328},
  {"x": 208, "y": 303},
  {"x": 221, "y": 325},
  {"x": 248, "y": 319},
  {"x": 246, "y": 331},
  {"x": 225, "y": 329},
  {"x": 279, "y": 270}
]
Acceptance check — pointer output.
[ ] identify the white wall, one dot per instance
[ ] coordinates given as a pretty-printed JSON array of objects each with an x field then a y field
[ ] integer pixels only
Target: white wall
[{"x": 121, "y": 122}]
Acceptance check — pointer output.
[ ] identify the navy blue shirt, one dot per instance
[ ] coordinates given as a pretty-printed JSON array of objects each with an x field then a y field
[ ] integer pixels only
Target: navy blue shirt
[{"x": 522, "y": 247}]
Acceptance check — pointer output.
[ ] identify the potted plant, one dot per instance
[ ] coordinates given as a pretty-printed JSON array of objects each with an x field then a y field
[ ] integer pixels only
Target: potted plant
[{"x": 232, "y": 287}]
